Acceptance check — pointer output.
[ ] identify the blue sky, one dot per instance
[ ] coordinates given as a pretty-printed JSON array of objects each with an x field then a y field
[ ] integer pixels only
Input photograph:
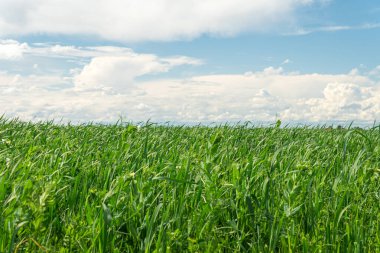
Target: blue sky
[
  {"x": 300, "y": 60},
  {"x": 319, "y": 51}
]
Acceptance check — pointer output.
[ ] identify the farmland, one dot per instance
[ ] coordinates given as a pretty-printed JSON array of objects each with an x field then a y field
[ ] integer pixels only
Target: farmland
[{"x": 154, "y": 188}]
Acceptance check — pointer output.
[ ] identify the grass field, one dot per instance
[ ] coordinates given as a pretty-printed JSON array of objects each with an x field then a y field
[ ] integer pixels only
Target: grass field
[{"x": 122, "y": 188}]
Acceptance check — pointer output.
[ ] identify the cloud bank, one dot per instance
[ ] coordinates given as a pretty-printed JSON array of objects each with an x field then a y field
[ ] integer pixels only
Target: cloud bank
[
  {"x": 136, "y": 20},
  {"x": 104, "y": 83}
]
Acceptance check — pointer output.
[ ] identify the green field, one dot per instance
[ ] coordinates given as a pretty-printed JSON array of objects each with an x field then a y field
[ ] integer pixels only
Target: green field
[{"x": 122, "y": 188}]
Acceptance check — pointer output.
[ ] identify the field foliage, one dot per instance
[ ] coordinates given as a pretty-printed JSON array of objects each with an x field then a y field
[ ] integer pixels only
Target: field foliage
[{"x": 123, "y": 188}]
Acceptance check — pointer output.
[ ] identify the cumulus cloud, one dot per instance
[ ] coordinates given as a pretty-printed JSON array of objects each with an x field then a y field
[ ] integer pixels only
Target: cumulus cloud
[
  {"x": 98, "y": 67},
  {"x": 227, "y": 98},
  {"x": 104, "y": 83},
  {"x": 136, "y": 20},
  {"x": 375, "y": 72},
  {"x": 341, "y": 101},
  {"x": 12, "y": 50},
  {"x": 119, "y": 72},
  {"x": 265, "y": 95}
]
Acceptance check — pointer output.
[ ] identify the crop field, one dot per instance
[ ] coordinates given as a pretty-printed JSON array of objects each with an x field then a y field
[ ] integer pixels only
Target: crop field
[{"x": 154, "y": 188}]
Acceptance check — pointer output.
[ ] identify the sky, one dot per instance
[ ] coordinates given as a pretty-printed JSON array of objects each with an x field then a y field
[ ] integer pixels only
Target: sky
[{"x": 190, "y": 61}]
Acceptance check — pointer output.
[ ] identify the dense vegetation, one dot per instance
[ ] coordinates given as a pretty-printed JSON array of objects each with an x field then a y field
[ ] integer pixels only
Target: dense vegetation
[{"x": 122, "y": 188}]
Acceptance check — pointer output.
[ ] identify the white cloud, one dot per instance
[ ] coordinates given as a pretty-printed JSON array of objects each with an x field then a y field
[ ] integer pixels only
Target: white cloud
[
  {"x": 263, "y": 96},
  {"x": 94, "y": 67},
  {"x": 137, "y": 20},
  {"x": 341, "y": 101},
  {"x": 119, "y": 72},
  {"x": 286, "y": 61},
  {"x": 12, "y": 50},
  {"x": 333, "y": 28},
  {"x": 106, "y": 84},
  {"x": 59, "y": 51},
  {"x": 375, "y": 72},
  {"x": 258, "y": 97}
]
